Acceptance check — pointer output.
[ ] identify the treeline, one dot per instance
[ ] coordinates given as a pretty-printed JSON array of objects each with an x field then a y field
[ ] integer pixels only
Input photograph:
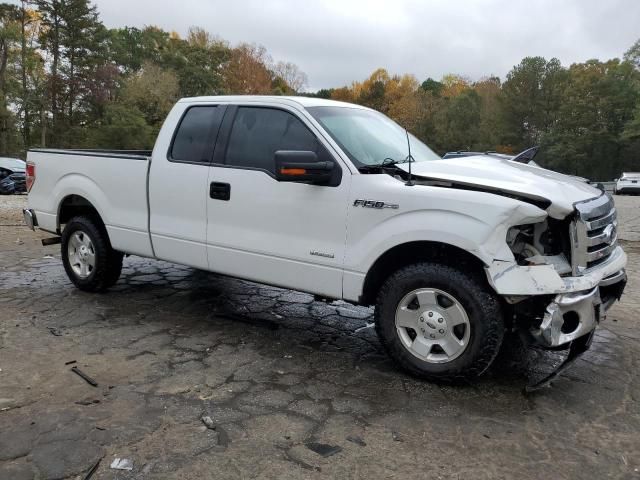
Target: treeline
[
  {"x": 68, "y": 81},
  {"x": 586, "y": 117}
]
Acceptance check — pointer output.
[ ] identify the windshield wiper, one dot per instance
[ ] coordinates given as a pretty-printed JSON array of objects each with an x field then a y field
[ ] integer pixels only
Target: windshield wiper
[{"x": 387, "y": 162}]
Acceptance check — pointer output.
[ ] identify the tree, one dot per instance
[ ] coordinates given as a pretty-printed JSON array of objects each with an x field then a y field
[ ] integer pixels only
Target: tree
[
  {"x": 633, "y": 55},
  {"x": 9, "y": 37},
  {"x": 294, "y": 78},
  {"x": 531, "y": 97},
  {"x": 153, "y": 92},
  {"x": 246, "y": 72},
  {"x": 433, "y": 86},
  {"x": 598, "y": 104},
  {"x": 123, "y": 127}
]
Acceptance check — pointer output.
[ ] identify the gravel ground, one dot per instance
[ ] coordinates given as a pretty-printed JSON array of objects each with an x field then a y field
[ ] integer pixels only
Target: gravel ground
[{"x": 293, "y": 388}]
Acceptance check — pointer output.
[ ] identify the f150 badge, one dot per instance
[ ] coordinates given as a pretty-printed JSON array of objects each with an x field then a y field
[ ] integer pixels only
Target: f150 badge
[{"x": 375, "y": 204}]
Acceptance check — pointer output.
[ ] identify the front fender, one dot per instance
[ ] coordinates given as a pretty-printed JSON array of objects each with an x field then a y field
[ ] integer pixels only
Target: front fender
[{"x": 480, "y": 231}]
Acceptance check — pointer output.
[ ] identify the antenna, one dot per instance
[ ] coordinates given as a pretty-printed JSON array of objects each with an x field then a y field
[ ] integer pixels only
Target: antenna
[{"x": 410, "y": 158}]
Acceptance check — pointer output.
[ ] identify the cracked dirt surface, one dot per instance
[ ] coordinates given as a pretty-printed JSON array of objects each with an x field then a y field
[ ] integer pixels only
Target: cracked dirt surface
[{"x": 279, "y": 373}]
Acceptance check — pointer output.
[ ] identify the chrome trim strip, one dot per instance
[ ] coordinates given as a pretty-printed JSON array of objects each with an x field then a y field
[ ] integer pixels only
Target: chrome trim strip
[
  {"x": 607, "y": 236},
  {"x": 601, "y": 222},
  {"x": 603, "y": 252}
]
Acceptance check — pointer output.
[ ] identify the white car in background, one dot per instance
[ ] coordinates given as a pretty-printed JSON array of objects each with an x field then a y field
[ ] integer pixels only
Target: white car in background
[{"x": 629, "y": 182}]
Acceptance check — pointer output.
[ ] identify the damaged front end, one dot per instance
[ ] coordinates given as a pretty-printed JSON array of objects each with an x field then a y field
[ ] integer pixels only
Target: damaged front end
[{"x": 565, "y": 275}]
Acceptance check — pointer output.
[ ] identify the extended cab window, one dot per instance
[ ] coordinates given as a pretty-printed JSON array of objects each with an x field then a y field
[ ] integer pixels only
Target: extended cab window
[
  {"x": 196, "y": 135},
  {"x": 260, "y": 132}
]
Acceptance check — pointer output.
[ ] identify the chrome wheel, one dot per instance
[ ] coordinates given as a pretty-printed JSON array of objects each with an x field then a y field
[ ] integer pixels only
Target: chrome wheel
[
  {"x": 81, "y": 254},
  {"x": 432, "y": 325}
]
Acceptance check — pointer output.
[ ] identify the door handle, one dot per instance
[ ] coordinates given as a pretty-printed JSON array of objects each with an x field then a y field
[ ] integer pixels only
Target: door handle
[{"x": 220, "y": 191}]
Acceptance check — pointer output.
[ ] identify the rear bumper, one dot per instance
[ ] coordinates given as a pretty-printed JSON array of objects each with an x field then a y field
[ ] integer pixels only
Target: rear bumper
[
  {"x": 30, "y": 218},
  {"x": 628, "y": 189},
  {"x": 573, "y": 315}
]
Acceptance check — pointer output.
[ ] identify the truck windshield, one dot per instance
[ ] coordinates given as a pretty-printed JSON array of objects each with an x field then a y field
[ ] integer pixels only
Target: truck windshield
[{"x": 370, "y": 138}]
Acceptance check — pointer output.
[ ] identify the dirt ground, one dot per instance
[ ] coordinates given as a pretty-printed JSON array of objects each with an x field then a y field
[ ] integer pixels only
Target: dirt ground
[{"x": 293, "y": 388}]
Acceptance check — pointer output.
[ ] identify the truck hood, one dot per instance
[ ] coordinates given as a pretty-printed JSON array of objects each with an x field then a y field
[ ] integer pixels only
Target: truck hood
[{"x": 508, "y": 177}]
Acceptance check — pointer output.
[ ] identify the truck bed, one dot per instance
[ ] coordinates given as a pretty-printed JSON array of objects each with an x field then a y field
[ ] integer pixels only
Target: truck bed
[{"x": 115, "y": 181}]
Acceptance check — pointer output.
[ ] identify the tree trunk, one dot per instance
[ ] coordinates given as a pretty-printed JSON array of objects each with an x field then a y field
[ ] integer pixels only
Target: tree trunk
[
  {"x": 54, "y": 72},
  {"x": 26, "y": 126},
  {"x": 4, "y": 56},
  {"x": 43, "y": 125}
]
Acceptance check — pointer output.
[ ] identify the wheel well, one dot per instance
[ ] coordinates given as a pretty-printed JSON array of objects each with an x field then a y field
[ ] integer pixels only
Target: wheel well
[
  {"x": 73, "y": 206},
  {"x": 413, "y": 252}
]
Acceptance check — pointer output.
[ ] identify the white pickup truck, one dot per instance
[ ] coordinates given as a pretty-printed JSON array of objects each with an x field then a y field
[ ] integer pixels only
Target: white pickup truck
[{"x": 338, "y": 200}]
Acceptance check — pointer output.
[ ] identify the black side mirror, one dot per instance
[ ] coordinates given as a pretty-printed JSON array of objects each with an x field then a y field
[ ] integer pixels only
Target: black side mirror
[{"x": 302, "y": 167}]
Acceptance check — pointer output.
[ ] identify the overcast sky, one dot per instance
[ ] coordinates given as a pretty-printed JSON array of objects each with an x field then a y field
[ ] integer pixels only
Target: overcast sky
[{"x": 338, "y": 41}]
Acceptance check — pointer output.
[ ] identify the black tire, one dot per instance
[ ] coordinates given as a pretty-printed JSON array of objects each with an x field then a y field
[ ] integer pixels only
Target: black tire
[
  {"x": 480, "y": 304},
  {"x": 108, "y": 262}
]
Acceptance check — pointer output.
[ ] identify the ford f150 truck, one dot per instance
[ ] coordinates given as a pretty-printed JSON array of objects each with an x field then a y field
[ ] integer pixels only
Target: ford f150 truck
[{"x": 338, "y": 200}]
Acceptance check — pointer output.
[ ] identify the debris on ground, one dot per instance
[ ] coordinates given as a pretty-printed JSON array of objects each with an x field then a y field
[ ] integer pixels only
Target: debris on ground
[
  {"x": 83, "y": 375},
  {"x": 54, "y": 331},
  {"x": 366, "y": 327},
  {"x": 396, "y": 437},
  {"x": 87, "y": 402},
  {"x": 92, "y": 470},
  {"x": 70, "y": 362},
  {"x": 121, "y": 464},
  {"x": 208, "y": 422},
  {"x": 324, "y": 449},
  {"x": 357, "y": 440}
]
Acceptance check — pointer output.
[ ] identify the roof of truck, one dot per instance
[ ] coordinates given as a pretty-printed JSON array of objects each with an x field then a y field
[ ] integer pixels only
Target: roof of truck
[{"x": 303, "y": 101}]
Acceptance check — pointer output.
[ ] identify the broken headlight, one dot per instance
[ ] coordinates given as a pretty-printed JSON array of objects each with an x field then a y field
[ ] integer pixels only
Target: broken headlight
[{"x": 544, "y": 243}]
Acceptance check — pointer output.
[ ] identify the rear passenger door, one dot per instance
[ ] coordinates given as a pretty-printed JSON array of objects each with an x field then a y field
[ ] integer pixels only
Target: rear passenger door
[
  {"x": 288, "y": 234},
  {"x": 178, "y": 185}
]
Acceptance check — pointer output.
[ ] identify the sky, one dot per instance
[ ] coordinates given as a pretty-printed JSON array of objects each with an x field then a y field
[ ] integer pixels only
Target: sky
[{"x": 338, "y": 41}]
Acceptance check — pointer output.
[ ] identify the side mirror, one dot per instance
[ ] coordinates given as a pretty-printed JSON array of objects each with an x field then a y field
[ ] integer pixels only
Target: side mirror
[{"x": 302, "y": 167}]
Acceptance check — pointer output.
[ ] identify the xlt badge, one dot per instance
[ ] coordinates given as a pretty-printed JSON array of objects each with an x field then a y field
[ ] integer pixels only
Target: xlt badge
[{"x": 375, "y": 204}]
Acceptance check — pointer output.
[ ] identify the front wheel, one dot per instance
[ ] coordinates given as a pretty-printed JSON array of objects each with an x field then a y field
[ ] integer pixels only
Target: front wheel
[
  {"x": 439, "y": 323},
  {"x": 90, "y": 262}
]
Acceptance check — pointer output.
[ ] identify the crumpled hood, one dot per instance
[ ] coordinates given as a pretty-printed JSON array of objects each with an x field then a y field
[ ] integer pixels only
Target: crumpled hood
[{"x": 512, "y": 177}]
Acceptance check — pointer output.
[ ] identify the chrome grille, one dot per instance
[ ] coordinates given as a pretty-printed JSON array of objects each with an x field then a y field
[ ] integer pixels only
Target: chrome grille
[{"x": 593, "y": 233}]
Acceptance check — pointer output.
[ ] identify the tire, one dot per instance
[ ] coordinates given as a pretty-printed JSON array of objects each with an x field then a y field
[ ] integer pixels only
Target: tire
[
  {"x": 467, "y": 308},
  {"x": 90, "y": 262}
]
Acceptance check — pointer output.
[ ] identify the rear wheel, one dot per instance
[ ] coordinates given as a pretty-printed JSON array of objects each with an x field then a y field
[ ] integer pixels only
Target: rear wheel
[
  {"x": 90, "y": 262},
  {"x": 439, "y": 323}
]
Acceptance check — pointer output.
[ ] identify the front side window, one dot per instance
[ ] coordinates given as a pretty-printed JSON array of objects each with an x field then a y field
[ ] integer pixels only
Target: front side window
[
  {"x": 258, "y": 133},
  {"x": 369, "y": 137},
  {"x": 196, "y": 135}
]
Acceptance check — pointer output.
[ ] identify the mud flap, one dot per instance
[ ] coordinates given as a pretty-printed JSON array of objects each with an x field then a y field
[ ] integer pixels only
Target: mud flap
[{"x": 576, "y": 349}]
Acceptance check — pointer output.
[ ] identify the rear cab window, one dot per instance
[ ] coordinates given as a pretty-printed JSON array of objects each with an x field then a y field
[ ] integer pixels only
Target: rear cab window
[{"x": 195, "y": 137}]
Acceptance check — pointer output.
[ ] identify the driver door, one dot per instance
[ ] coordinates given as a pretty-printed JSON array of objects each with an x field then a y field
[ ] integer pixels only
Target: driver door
[{"x": 287, "y": 234}]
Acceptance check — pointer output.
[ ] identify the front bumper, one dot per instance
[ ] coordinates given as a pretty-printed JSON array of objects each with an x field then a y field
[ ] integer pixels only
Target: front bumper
[
  {"x": 572, "y": 315},
  {"x": 30, "y": 218},
  {"x": 512, "y": 280}
]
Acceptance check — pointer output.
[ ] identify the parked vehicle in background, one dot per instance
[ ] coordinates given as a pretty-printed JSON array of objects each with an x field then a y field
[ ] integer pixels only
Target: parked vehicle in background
[
  {"x": 12, "y": 176},
  {"x": 327, "y": 197},
  {"x": 628, "y": 183}
]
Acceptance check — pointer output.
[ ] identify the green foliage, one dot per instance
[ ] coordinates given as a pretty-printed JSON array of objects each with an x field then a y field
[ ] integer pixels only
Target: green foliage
[{"x": 123, "y": 127}]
